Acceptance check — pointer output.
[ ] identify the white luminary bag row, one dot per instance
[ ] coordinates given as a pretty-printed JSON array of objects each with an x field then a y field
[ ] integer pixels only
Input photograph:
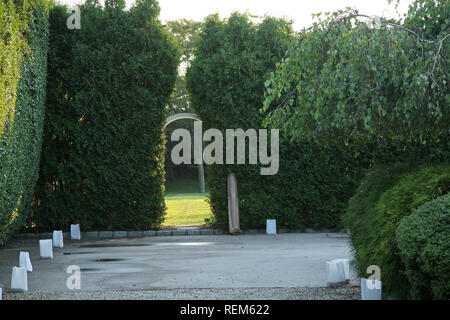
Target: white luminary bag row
[{"x": 19, "y": 277}]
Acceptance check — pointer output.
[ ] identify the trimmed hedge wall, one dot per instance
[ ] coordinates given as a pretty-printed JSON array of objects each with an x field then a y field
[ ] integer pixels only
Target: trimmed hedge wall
[
  {"x": 226, "y": 85},
  {"x": 424, "y": 242},
  {"x": 310, "y": 190},
  {"x": 108, "y": 84},
  {"x": 386, "y": 195},
  {"x": 23, "y": 69}
]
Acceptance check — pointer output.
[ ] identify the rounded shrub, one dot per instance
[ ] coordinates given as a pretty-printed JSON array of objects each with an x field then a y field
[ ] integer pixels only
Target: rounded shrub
[
  {"x": 386, "y": 195},
  {"x": 424, "y": 242}
]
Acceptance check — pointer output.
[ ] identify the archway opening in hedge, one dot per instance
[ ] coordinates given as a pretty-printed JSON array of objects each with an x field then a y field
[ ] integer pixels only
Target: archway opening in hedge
[{"x": 185, "y": 191}]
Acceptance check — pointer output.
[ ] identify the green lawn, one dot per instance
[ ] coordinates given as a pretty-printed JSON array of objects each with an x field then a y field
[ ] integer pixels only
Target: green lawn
[{"x": 186, "y": 209}]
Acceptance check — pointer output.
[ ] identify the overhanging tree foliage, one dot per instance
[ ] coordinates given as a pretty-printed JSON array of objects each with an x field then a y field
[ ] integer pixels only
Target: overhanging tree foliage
[
  {"x": 108, "y": 85},
  {"x": 351, "y": 80},
  {"x": 23, "y": 68}
]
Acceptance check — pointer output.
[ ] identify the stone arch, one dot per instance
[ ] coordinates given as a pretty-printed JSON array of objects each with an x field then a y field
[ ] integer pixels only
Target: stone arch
[
  {"x": 180, "y": 116},
  {"x": 193, "y": 116}
]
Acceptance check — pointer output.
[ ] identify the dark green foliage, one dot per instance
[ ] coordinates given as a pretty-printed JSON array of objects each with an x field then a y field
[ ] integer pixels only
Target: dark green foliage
[
  {"x": 386, "y": 195},
  {"x": 23, "y": 68},
  {"x": 437, "y": 151},
  {"x": 424, "y": 242},
  {"x": 108, "y": 84},
  {"x": 226, "y": 83}
]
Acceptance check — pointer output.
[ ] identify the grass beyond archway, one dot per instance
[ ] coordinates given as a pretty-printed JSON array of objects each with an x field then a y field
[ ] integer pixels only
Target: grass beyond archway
[
  {"x": 185, "y": 206},
  {"x": 185, "y": 209}
]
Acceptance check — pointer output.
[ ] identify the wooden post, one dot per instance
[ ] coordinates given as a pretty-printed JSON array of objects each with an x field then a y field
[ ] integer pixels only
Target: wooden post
[
  {"x": 233, "y": 204},
  {"x": 198, "y": 155},
  {"x": 201, "y": 178}
]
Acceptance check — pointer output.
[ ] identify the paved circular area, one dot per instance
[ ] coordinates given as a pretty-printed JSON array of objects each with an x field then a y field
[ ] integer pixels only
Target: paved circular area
[{"x": 285, "y": 266}]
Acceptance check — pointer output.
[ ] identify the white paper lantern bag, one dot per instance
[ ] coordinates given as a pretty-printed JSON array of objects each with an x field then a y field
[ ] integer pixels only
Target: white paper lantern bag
[
  {"x": 271, "y": 226},
  {"x": 336, "y": 273},
  {"x": 24, "y": 261},
  {"x": 58, "y": 241},
  {"x": 46, "y": 249},
  {"x": 75, "y": 233},
  {"x": 19, "y": 279},
  {"x": 370, "y": 289},
  {"x": 346, "y": 263}
]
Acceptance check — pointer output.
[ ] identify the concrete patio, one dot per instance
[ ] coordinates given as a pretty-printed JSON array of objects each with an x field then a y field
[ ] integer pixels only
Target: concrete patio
[{"x": 218, "y": 261}]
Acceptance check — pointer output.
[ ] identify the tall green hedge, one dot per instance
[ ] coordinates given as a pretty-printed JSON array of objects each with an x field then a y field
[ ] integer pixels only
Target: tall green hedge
[
  {"x": 23, "y": 68},
  {"x": 108, "y": 84},
  {"x": 385, "y": 196},
  {"x": 226, "y": 85}
]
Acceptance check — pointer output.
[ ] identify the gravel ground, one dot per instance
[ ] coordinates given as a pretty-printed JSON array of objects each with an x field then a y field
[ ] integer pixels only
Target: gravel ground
[{"x": 340, "y": 293}]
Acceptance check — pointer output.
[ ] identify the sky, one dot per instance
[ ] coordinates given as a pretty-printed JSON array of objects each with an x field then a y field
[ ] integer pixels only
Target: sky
[{"x": 299, "y": 11}]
